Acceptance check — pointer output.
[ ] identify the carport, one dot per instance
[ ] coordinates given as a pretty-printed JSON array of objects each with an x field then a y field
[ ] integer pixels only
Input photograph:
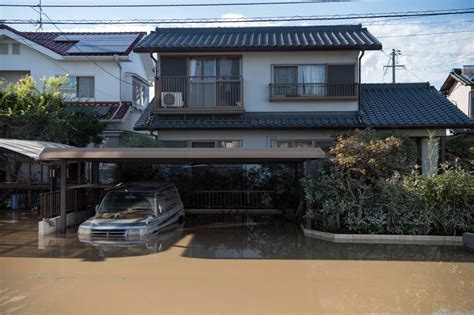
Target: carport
[{"x": 62, "y": 156}]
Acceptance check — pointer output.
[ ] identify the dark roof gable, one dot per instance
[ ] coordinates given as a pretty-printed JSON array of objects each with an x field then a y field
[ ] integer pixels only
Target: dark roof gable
[
  {"x": 275, "y": 38},
  {"x": 456, "y": 75}
]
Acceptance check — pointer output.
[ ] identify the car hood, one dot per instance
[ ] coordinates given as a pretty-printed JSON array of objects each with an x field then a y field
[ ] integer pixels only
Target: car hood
[{"x": 117, "y": 223}]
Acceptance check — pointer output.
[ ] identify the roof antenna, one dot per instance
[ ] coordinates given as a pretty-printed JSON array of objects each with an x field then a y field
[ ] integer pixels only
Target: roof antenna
[{"x": 40, "y": 21}]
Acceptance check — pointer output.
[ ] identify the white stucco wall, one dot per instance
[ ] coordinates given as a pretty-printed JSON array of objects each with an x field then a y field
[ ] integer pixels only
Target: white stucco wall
[
  {"x": 256, "y": 70},
  {"x": 41, "y": 65},
  {"x": 263, "y": 138},
  {"x": 257, "y": 75},
  {"x": 106, "y": 73},
  {"x": 460, "y": 96}
]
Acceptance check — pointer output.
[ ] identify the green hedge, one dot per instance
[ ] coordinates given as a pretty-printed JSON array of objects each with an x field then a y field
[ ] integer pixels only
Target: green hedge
[{"x": 368, "y": 188}]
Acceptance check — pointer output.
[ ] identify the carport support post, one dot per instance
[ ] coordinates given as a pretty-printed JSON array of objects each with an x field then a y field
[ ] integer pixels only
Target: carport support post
[
  {"x": 63, "y": 196},
  {"x": 308, "y": 171}
]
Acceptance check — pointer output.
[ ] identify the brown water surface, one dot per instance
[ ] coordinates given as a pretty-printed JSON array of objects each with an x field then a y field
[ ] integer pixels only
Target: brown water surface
[{"x": 236, "y": 267}]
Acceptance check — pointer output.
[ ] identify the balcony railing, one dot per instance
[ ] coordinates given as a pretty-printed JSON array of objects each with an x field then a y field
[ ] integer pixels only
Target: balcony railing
[
  {"x": 200, "y": 94},
  {"x": 313, "y": 91}
]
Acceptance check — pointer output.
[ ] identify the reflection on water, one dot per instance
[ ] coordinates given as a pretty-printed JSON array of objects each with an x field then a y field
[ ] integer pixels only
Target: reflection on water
[
  {"x": 233, "y": 237},
  {"x": 283, "y": 240}
]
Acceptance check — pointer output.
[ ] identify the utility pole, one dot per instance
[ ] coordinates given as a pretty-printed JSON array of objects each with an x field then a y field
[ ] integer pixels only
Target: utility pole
[{"x": 394, "y": 65}]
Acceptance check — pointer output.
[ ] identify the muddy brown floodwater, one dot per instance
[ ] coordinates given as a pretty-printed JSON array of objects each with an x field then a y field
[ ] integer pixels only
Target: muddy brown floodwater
[{"x": 235, "y": 267}]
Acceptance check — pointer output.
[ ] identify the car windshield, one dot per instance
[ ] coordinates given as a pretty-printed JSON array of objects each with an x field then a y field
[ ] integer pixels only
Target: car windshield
[{"x": 123, "y": 201}]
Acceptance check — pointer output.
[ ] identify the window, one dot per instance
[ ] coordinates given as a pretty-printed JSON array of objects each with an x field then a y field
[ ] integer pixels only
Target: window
[
  {"x": 299, "y": 80},
  {"x": 313, "y": 80},
  {"x": 3, "y": 49},
  {"x": 325, "y": 145},
  {"x": 15, "y": 49},
  {"x": 227, "y": 144},
  {"x": 79, "y": 87},
  {"x": 85, "y": 87},
  {"x": 140, "y": 93},
  {"x": 203, "y": 144}
]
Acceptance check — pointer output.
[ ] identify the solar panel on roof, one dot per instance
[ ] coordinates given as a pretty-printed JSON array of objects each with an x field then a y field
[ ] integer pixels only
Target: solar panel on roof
[{"x": 98, "y": 43}]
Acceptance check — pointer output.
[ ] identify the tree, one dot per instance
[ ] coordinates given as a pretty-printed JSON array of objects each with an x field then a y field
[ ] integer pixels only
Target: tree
[{"x": 30, "y": 113}]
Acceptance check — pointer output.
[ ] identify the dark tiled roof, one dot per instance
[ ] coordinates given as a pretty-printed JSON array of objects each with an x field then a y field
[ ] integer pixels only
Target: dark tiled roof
[
  {"x": 277, "y": 38},
  {"x": 408, "y": 105},
  {"x": 457, "y": 75},
  {"x": 102, "y": 110},
  {"x": 248, "y": 120},
  {"x": 59, "y": 43}
]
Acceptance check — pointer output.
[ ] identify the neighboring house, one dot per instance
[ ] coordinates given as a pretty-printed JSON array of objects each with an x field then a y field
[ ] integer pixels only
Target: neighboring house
[
  {"x": 263, "y": 87},
  {"x": 106, "y": 77},
  {"x": 459, "y": 89}
]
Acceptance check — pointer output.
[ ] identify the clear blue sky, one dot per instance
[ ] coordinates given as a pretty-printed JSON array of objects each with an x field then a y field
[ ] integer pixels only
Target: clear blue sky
[{"x": 429, "y": 58}]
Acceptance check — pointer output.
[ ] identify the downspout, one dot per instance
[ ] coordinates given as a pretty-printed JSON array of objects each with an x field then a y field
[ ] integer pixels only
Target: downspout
[
  {"x": 152, "y": 132},
  {"x": 120, "y": 77},
  {"x": 359, "y": 116}
]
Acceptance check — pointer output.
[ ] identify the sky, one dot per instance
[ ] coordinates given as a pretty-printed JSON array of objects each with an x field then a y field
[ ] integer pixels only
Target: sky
[{"x": 428, "y": 58}]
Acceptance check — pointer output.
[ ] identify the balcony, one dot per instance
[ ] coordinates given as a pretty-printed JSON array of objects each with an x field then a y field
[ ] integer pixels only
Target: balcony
[
  {"x": 313, "y": 91},
  {"x": 199, "y": 95}
]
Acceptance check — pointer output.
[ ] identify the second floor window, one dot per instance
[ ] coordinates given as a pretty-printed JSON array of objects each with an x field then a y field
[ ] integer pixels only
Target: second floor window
[
  {"x": 85, "y": 87},
  {"x": 79, "y": 87},
  {"x": 313, "y": 80},
  {"x": 299, "y": 79},
  {"x": 140, "y": 93}
]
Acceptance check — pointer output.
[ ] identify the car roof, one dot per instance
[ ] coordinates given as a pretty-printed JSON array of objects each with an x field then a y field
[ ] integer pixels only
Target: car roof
[{"x": 151, "y": 187}]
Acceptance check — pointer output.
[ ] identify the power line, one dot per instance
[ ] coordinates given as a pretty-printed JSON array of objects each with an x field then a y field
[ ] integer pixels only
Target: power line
[
  {"x": 427, "y": 34},
  {"x": 253, "y": 19},
  {"x": 444, "y": 63},
  {"x": 141, "y": 5}
]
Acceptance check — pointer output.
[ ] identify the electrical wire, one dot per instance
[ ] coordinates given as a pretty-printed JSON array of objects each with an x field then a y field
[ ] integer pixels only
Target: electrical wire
[
  {"x": 251, "y": 20},
  {"x": 90, "y": 59},
  {"x": 141, "y": 5}
]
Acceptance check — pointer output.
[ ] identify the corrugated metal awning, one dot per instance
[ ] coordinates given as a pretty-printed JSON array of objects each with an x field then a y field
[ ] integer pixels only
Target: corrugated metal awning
[
  {"x": 182, "y": 155},
  {"x": 29, "y": 149}
]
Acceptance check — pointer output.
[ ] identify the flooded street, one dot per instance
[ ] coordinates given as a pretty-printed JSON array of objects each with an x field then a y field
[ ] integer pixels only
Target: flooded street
[{"x": 241, "y": 267}]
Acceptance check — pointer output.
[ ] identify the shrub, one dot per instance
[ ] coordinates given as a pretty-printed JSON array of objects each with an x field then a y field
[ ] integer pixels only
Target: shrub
[{"x": 369, "y": 189}]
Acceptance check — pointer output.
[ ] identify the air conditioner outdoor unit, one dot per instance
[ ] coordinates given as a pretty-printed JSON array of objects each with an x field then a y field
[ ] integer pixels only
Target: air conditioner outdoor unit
[{"x": 172, "y": 99}]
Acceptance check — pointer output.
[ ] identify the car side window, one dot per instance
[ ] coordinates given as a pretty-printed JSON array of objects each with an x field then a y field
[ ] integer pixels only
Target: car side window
[{"x": 166, "y": 200}]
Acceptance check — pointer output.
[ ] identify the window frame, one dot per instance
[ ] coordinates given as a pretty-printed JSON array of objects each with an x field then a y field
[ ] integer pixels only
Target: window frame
[
  {"x": 7, "y": 45},
  {"x": 274, "y": 97},
  {"x": 77, "y": 86}
]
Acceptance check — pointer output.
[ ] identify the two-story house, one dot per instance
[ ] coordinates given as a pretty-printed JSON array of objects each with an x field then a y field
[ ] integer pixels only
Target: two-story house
[
  {"x": 459, "y": 89},
  {"x": 289, "y": 86},
  {"x": 106, "y": 78}
]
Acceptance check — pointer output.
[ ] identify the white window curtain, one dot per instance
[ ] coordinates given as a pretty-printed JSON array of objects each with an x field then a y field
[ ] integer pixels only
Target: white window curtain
[
  {"x": 85, "y": 87},
  {"x": 225, "y": 67},
  {"x": 311, "y": 79}
]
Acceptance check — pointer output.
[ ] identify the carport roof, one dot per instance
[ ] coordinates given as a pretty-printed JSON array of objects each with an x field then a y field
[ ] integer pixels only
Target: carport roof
[
  {"x": 182, "y": 155},
  {"x": 28, "y": 148}
]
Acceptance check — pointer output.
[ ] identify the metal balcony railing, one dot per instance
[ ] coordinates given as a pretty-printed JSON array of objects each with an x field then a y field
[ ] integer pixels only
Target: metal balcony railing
[
  {"x": 200, "y": 93},
  {"x": 313, "y": 91}
]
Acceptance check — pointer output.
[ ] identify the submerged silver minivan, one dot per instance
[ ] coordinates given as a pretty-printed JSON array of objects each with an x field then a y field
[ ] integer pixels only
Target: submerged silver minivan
[{"x": 134, "y": 213}]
